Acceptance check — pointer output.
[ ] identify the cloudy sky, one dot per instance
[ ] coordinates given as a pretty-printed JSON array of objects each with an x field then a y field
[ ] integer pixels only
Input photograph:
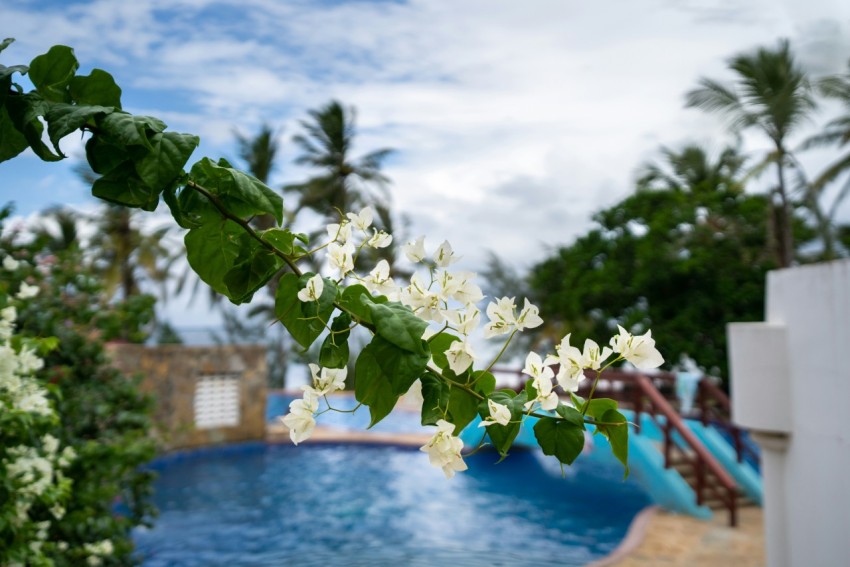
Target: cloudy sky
[{"x": 513, "y": 121}]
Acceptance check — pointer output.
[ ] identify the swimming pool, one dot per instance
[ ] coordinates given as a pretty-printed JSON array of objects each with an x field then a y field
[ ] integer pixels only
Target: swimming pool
[{"x": 264, "y": 505}]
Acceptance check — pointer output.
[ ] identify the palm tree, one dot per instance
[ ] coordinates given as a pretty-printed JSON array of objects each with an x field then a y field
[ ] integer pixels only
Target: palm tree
[
  {"x": 343, "y": 182},
  {"x": 771, "y": 94},
  {"x": 836, "y": 133},
  {"x": 692, "y": 170}
]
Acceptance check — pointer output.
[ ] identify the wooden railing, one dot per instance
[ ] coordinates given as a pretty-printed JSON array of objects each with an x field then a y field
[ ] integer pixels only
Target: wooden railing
[
  {"x": 656, "y": 396},
  {"x": 715, "y": 409},
  {"x": 647, "y": 399}
]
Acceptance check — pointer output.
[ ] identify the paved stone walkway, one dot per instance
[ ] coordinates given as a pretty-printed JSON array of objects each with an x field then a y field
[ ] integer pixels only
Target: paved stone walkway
[{"x": 671, "y": 540}]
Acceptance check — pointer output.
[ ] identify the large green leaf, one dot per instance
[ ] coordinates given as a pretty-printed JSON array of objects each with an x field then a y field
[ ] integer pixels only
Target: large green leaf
[
  {"x": 52, "y": 72},
  {"x": 284, "y": 240},
  {"x": 356, "y": 300},
  {"x": 383, "y": 373},
  {"x": 397, "y": 324},
  {"x": 255, "y": 268},
  {"x": 502, "y": 436},
  {"x": 334, "y": 352},
  {"x": 98, "y": 88},
  {"x": 303, "y": 327},
  {"x": 63, "y": 119},
  {"x": 212, "y": 249},
  {"x": 241, "y": 194},
  {"x": 123, "y": 186},
  {"x": 617, "y": 435},
  {"x": 104, "y": 156},
  {"x": 12, "y": 142},
  {"x": 559, "y": 438},
  {"x": 126, "y": 130},
  {"x": 435, "y": 395},
  {"x": 163, "y": 163},
  {"x": 25, "y": 112}
]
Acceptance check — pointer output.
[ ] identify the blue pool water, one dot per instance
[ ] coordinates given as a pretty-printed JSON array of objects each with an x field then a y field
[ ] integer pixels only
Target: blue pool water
[{"x": 269, "y": 505}]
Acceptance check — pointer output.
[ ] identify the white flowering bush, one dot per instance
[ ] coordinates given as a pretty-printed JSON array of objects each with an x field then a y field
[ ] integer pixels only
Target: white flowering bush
[
  {"x": 33, "y": 486},
  {"x": 422, "y": 329}
]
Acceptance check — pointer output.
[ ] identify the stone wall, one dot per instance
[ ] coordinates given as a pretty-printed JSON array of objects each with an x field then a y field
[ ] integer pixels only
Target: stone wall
[{"x": 198, "y": 390}]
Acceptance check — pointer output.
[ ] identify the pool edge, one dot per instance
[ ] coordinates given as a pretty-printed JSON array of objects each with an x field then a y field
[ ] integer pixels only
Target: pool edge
[{"x": 634, "y": 537}]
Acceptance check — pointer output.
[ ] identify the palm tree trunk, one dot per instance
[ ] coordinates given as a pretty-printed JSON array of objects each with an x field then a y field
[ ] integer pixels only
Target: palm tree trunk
[{"x": 785, "y": 229}]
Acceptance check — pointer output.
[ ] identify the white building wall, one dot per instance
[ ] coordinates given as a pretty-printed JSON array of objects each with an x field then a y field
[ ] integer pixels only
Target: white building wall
[{"x": 807, "y": 457}]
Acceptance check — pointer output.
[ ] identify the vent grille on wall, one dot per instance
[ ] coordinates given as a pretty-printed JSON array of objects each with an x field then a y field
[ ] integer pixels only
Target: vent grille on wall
[{"x": 217, "y": 401}]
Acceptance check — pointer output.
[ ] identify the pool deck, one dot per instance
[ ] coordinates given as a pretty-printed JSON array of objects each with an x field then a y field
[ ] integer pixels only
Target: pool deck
[{"x": 656, "y": 538}]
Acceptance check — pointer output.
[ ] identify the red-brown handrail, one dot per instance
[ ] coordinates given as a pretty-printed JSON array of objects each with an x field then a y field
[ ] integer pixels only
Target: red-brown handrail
[
  {"x": 716, "y": 409},
  {"x": 703, "y": 461}
]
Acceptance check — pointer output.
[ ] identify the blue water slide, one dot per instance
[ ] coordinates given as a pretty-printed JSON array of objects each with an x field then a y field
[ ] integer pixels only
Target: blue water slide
[
  {"x": 743, "y": 473},
  {"x": 664, "y": 486}
]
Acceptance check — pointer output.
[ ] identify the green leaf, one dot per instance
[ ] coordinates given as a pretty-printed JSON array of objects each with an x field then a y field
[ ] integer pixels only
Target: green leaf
[
  {"x": 284, "y": 240},
  {"x": 126, "y": 130},
  {"x": 242, "y": 195},
  {"x": 52, "y": 72},
  {"x": 122, "y": 186},
  {"x": 599, "y": 406},
  {"x": 6, "y": 43},
  {"x": 25, "y": 111},
  {"x": 212, "y": 250},
  {"x": 570, "y": 414},
  {"x": 163, "y": 164},
  {"x": 503, "y": 436},
  {"x": 356, "y": 300},
  {"x": 439, "y": 344},
  {"x": 562, "y": 439},
  {"x": 256, "y": 268},
  {"x": 484, "y": 382},
  {"x": 289, "y": 310},
  {"x": 463, "y": 407},
  {"x": 617, "y": 435},
  {"x": 397, "y": 324},
  {"x": 435, "y": 395},
  {"x": 63, "y": 119},
  {"x": 104, "y": 156},
  {"x": 383, "y": 373},
  {"x": 12, "y": 142},
  {"x": 98, "y": 88},
  {"x": 334, "y": 352}
]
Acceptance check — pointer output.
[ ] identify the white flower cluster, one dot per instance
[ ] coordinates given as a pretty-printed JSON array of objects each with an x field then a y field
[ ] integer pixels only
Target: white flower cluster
[
  {"x": 97, "y": 551},
  {"x": 449, "y": 300},
  {"x": 301, "y": 419},
  {"x": 33, "y": 470}
]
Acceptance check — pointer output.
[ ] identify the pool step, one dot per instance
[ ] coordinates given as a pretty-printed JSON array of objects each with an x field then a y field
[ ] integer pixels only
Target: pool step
[{"x": 683, "y": 464}]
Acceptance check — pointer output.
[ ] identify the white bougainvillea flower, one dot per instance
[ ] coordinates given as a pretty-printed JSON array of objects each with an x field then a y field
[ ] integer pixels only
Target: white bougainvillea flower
[
  {"x": 363, "y": 220},
  {"x": 328, "y": 380},
  {"x": 448, "y": 284},
  {"x": 339, "y": 232},
  {"x": 415, "y": 251},
  {"x": 313, "y": 290},
  {"x": 379, "y": 281},
  {"x": 379, "y": 239},
  {"x": 498, "y": 414},
  {"x": 465, "y": 290},
  {"x": 640, "y": 350},
  {"x": 464, "y": 321},
  {"x": 423, "y": 302},
  {"x": 592, "y": 357},
  {"x": 444, "y": 449},
  {"x": 529, "y": 317},
  {"x": 460, "y": 356},
  {"x": 444, "y": 256},
  {"x": 10, "y": 264},
  {"x": 27, "y": 291},
  {"x": 414, "y": 394},
  {"x": 570, "y": 365},
  {"x": 541, "y": 380},
  {"x": 300, "y": 419},
  {"x": 502, "y": 316},
  {"x": 341, "y": 257}
]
